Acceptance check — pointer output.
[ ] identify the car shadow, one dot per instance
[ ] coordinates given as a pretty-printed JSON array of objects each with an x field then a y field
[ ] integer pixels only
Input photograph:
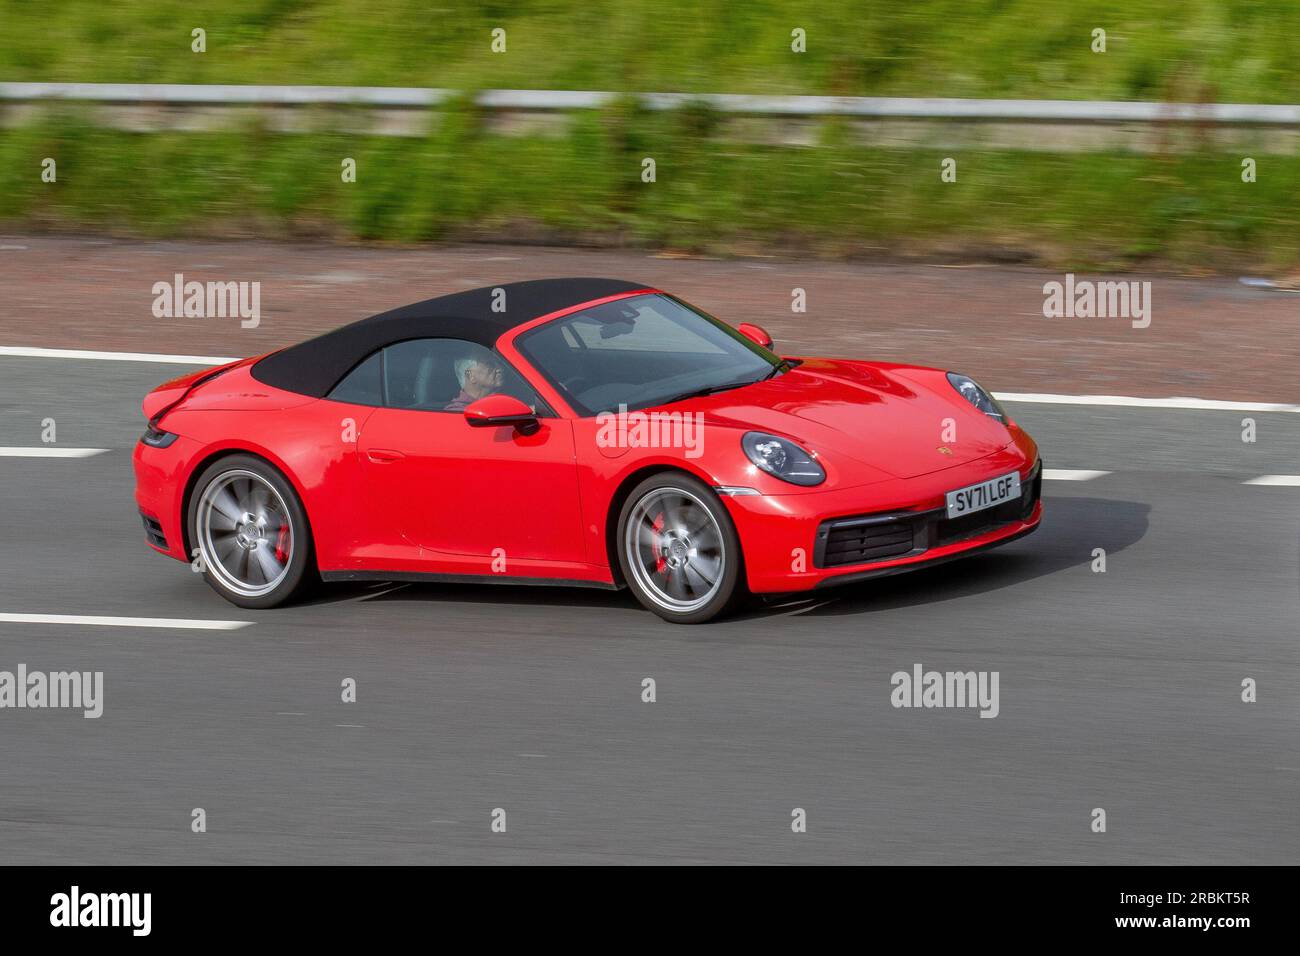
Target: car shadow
[
  {"x": 1071, "y": 529},
  {"x": 435, "y": 591}
]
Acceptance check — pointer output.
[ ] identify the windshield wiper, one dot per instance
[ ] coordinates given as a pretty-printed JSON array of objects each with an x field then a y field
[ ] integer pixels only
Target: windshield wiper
[
  {"x": 707, "y": 390},
  {"x": 782, "y": 366}
]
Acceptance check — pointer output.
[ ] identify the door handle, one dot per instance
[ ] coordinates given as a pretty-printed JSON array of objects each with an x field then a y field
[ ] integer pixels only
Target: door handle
[{"x": 382, "y": 455}]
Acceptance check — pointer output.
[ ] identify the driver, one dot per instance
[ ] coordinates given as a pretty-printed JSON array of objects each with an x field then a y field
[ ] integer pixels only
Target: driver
[{"x": 478, "y": 376}]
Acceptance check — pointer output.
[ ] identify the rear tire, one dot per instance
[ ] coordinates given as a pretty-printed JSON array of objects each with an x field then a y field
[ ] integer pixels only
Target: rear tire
[
  {"x": 251, "y": 532},
  {"x": 678, "y": 549}
]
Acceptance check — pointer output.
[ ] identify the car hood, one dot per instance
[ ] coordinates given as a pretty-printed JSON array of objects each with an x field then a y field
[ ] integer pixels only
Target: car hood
[{"x": 901, "y": 420}]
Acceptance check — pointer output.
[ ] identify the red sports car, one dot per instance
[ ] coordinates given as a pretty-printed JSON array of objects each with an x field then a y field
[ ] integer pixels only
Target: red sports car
[{"x": 587, "y": 432}]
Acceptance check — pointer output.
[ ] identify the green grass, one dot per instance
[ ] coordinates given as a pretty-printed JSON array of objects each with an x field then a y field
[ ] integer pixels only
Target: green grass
[
  {"x": 1227, "y": 50},
  {"x": 712, "y": 194},
  {"x": 1081, "y": 210}
]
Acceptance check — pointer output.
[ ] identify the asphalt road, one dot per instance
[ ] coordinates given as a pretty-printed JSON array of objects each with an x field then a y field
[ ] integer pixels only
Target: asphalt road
[{"x": 1119, "y": 690}]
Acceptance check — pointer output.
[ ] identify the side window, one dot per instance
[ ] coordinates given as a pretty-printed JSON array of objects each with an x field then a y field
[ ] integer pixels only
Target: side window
[
  {"x": 362, "y": 385},
  {"x": 447, "y": 375}
]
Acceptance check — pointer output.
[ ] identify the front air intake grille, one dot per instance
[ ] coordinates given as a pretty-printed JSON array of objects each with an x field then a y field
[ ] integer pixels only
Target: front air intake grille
[
  {"x": 951, "y": 530},
  {"x": 859, "y": 540},
  {"x": 153, "y": 531}
]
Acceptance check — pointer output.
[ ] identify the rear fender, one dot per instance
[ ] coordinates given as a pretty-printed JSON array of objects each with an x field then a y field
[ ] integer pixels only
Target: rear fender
[{"x": 170, "y": 394}]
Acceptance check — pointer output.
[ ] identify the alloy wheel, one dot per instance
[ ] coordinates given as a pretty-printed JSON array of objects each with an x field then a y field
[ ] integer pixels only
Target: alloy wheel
[
  {"x": 674, "y": 549},
  {"x": 245, "y": 533}
]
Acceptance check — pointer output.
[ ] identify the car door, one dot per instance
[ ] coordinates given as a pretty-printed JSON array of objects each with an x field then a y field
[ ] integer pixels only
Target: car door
[{"x": 441, "y": 491}]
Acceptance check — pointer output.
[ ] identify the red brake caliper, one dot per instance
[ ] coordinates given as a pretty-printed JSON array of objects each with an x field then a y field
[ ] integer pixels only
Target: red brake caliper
[
  {"x": 658, "y": 526},
  {"x": 282, "y": 544}
]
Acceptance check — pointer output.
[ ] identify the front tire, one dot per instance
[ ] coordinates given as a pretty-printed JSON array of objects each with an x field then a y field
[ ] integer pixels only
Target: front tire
[
  {"x": 678, "y": 549},
  {"x": 251, "y": 533}
]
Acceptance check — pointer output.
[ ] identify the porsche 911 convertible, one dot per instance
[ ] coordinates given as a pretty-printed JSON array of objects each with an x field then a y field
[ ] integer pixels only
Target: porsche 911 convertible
[{"x": 579, "y": 432}]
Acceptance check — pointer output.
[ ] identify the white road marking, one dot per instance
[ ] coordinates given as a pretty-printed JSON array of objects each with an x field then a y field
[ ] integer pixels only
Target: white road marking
[
  {"x": 22, "y": 351},
  {"x": 1126, "y": 401},
  {"x": 1277, "y": 481},
  {"x": 184, "y": 623},
  {"x": 49, "y": 451},
  {"x": 1067, "y": 474}
]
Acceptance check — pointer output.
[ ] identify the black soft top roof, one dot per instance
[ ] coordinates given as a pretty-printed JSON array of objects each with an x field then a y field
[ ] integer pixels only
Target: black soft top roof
[{"x": 314, "y": 367}]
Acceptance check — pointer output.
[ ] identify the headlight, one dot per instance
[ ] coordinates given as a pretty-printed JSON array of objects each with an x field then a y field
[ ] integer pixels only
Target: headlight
[
  {"x": 970, "y": 390},
  {"x": 782, "y": 459}
]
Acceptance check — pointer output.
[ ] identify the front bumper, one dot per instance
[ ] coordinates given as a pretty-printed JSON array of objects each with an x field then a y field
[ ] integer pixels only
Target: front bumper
[
  {"x": 159, "y": 488},
  {"x": 805, "y": 541}
]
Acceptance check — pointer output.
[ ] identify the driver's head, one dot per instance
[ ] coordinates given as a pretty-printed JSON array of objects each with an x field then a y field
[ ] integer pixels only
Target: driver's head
[{"x": 478, "y": 375}]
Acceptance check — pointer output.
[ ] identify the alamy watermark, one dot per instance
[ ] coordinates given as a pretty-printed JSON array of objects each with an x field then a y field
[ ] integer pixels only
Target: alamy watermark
[
  {"x": 56, "y": 690},
  {"x": 1085, "y": 299},
  {"x": 76, "y": 909},
  {"x": 927, "y": 689},
  {"x": 208, "y": 300},
  {"x": 624, "y": 429}
]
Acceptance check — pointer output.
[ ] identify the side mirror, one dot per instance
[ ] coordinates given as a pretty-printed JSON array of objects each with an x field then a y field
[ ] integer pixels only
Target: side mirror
[
  {"x": 494, "y": 410},
  {"x": 755, "y": 333}
]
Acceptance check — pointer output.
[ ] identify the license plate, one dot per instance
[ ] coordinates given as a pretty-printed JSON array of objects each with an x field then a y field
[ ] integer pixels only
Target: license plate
[{"x": 987, "y": 494}]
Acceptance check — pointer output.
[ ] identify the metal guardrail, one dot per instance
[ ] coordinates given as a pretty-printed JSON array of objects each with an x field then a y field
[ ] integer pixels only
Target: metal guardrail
[{"x": 865, "y": 107}]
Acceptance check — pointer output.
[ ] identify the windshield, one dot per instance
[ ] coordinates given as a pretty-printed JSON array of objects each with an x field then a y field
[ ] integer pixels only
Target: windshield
[{"x": 641, "y": 351}]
